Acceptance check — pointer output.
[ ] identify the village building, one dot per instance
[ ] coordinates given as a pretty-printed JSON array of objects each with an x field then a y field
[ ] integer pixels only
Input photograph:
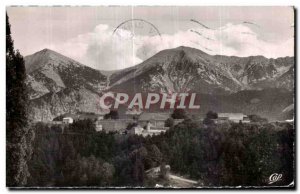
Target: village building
[
  {"x": 90, "y": 116},
  {"x": 84, "y": 116},
  {"x": 147, "y": 123},
  {"x": 157, "y": 119},
  {"x": 154, "y": 130},
  {"x": 68, "y": 120},
  {"x": 148, "y": 131},
  {"x": 233, "y": 117},
  {"x": 112, "y": 125},
  {"x": 98, "y": 126},
  {"x": 136, "y": 130}
]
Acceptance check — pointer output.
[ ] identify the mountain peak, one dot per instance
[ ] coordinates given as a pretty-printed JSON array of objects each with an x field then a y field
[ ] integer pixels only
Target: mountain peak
[
  {"x": 45, "y": 50},
  {"x": 179, "y": 52},
  {"x": 189, "y": 52},
  {"x": 49, "y": 53},
  {"x": 44, "y": 57},
  {"x": 190, "y": 49},
  {"x": 182, "y": 48}
]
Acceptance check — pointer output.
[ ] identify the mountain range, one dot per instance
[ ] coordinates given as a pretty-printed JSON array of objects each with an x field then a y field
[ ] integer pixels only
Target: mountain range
[{"x": 252, "y": 85}]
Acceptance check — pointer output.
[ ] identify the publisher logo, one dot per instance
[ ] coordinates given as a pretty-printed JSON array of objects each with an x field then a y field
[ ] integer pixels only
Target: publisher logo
[{"x": 274, "y": 178}]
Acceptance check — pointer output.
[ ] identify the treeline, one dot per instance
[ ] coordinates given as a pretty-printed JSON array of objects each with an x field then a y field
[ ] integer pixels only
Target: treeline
[
  {"x": 229, "y": 154},
  {"x": 82, "y": 157},
  {"x": 18, "y": 132},
  {"x": 216, "y": 155}
]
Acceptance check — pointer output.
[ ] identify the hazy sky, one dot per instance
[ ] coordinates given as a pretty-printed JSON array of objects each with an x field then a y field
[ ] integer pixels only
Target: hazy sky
[{"x": 86, "y": 33}]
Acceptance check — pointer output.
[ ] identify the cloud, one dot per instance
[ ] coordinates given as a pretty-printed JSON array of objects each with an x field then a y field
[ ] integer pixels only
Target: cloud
[
  {"x": 238, "y": 40},
  {"x": 101, "y": 49}
]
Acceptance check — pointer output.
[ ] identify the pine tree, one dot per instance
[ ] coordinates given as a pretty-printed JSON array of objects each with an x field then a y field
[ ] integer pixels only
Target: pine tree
[{"x": 18, "y": 135}]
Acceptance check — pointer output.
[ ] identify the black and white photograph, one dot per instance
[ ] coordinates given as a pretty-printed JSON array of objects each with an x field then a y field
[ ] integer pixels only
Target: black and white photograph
[{"x": 150, "y": 97}]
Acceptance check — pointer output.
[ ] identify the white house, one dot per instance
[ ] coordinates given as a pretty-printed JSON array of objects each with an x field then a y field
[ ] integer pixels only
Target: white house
[
  {"x": 234, "y": 117},
  {"x": 149, "y": 131},
  {"x": 100, "y": 117},
  {"x": 157, "y": 119},
  {"x": 99, "y": 127},
  {"x": 68, "y": 120},
  {"x": 136, "y": 130}
]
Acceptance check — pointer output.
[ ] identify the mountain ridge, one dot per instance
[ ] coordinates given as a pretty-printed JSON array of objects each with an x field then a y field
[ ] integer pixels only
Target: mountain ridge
[
  {"x": 240, "y": 73},
  {"x": 40, "y": 58},
  {"x": 52, "y": 77}
]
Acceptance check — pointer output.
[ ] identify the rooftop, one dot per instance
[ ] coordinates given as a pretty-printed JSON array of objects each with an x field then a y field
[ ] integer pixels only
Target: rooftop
[{"x": 231, "y": 115}]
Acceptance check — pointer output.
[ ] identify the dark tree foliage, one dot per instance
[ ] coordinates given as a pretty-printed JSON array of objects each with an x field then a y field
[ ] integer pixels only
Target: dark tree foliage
[
  {"x": 18, "y": 135},
  {"x": 59, "y": 118},
  {"x": 229, "y": 154},
  {"x": 209, "y": 119},
  {"x": 76, "y": 157},
  {"x": 169, "y": 122},
  {"x": 131, "y": 125},
  {"x": 179, "y": 114},
  {"x": 211, "y": 115},
  {"x": 217, "y": 155},
  {"x": 113, "y": 114},
  {"x": 85, "y": 126},
  {"x": 257, "y": 118}
]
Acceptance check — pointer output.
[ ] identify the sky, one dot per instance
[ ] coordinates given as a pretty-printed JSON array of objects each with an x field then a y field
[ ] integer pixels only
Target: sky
[{"x": 117, "y": 37}]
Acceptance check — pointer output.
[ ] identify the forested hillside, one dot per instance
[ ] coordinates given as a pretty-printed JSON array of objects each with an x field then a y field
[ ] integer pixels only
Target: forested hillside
[{"x": 229, "y": 154}]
